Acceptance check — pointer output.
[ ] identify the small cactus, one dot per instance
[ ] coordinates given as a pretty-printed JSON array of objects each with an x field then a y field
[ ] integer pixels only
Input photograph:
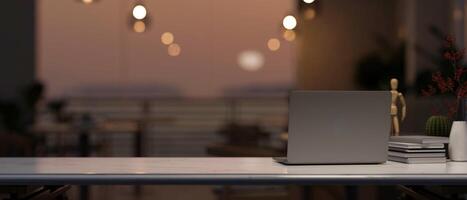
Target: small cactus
[{"x": 438, "y": 126}]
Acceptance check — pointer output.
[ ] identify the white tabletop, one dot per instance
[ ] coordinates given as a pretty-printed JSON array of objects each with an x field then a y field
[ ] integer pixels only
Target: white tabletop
[{"x": 212, "y": 170}]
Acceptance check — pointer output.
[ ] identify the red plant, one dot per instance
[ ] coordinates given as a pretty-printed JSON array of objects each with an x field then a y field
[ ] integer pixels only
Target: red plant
[{"x": 453, "y": 83}]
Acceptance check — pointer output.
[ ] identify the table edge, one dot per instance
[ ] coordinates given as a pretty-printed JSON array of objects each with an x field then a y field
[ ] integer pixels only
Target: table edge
[{"x": 177, "y": 179}]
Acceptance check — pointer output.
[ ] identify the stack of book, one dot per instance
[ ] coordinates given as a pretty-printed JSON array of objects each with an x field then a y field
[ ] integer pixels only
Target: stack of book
[{"x": 417, "y": 149}]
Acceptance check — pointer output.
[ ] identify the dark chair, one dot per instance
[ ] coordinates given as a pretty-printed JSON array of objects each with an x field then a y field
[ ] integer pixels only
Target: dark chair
[{"x": 16, "y": 145}]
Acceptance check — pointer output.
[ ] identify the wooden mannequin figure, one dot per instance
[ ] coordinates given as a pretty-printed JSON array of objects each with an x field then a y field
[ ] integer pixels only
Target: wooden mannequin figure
[{"x": 396, "y": 95}]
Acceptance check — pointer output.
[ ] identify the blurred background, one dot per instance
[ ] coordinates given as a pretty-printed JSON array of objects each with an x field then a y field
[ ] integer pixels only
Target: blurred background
[{"x": 204, "y": 77}]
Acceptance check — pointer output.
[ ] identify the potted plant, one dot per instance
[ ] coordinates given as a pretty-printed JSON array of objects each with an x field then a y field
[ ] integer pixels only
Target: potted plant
[{"x": 450, "y": 82}]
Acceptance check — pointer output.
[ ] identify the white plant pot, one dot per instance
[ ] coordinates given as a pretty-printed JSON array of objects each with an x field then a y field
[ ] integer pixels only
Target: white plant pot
[{"x": 458, "y": 141}]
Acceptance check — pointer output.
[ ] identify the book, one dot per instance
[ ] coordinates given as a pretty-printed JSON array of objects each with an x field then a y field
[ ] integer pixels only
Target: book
[
  {"x": 420, "y": 139},
  {"x": 417, "y": 160},
  {"x": 417, "y": 150},
  {"x": 416, "y": 155},
  {"x": 405, "y": 145}
]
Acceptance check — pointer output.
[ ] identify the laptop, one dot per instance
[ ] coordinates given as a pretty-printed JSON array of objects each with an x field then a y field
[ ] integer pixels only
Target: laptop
[{"x": 338, "y": 127}]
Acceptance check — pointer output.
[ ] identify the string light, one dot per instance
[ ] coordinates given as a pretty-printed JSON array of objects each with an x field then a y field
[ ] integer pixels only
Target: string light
[
  {"x": 174, "y": 50},
  {"x": 289, "y": 22},
  {"x": 87, "y": 1},
  {"x": 139, "y": 12},
  {"x": 308, "y": 1},
  {"x": 139, "y": 27},
  {"x": 274, "y": 44},
  {"x": 310, "y": 13},
  {"x": 167, "y": 38},
  {"x": 139, "y": 19},
  {"x": 289, "y": 35},
  {"x": 251, "y": 60}
]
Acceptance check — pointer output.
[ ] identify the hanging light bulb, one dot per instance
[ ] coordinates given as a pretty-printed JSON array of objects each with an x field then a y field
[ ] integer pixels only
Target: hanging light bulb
[
  {"x": 139, "y": 27},
  {"x": 289, "y": 35},
  {"x": 87, "y": 2},
  {"x": 289, "y": 22},
  {"x": 167, "y": 38},
  {"x": 274, "y": 44},
  {"x": 308, "y": 1},
  {"x": 139, "y": 18},
  {"x": 309, "y": 14},
  {"x": 174, "y": 49},
  {"x": 139, "y": 12}
]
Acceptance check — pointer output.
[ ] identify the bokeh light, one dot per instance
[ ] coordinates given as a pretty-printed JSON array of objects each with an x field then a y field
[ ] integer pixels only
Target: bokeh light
[
  {"x": 167, "y": 38},
  {"x": 139, "y": 26},
  {"x": 174, "y": 50},
  {"x": 139, "y": 12},
  {"x": 289, "y": 22},
  {"x": 308, "y": 1},
  {"x": 309, "y": 14},
  {"x": 251, "y": 60},
  {"x": 274, "y": 44},
  {"x": 289, "y": 35},
  {"x": 87, "y": 1}
]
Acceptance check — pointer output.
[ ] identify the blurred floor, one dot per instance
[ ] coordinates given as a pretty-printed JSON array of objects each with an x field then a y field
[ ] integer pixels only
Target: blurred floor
[
  {"x": 178, "y": 192},
  {"x": 208, "y": 192}
]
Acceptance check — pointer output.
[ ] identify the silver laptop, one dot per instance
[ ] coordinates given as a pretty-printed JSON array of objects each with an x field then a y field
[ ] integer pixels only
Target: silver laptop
[{"x": 338, "y": 127}]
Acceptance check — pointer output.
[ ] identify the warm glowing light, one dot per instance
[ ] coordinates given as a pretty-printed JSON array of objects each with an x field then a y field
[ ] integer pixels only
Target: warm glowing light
[
  {"x": 167, "y": 38},
  {"x": 251, "y": 60},
  {"x": 310, "y": 14},
  {"x": 308, "y": 1},
  {"x": 174, "y": 49},
  {"x": 139, "y": 12},
  {"x": 274, "y": 44},
  {"x": 87, "y": 1},
  {"x": 289, "y": 22},
  {"x": 289, "y": 35},
  {"x": 139, "y": 27}
]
